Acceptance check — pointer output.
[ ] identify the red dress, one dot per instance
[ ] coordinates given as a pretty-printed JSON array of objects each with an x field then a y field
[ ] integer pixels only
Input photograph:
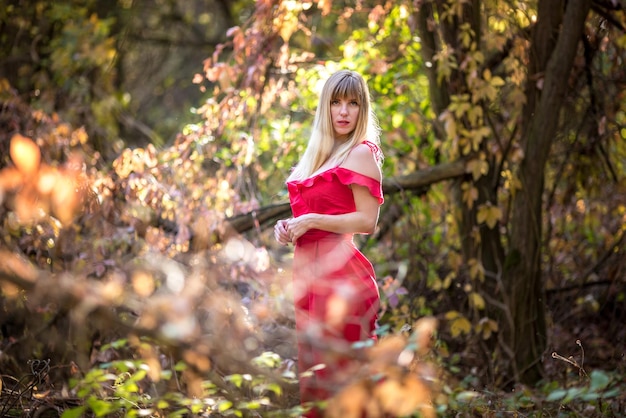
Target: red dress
[{"x": 335, "y": 292}]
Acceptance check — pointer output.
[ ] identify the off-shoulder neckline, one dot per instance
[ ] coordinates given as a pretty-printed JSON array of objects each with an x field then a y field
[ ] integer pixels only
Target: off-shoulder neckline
[
  {"x": 337, "y": 167},
  {"x": 366, "y": 142}
]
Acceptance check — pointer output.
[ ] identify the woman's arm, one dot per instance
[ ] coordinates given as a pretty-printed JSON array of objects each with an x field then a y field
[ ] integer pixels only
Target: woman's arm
[{"x": 365, "y": 217}]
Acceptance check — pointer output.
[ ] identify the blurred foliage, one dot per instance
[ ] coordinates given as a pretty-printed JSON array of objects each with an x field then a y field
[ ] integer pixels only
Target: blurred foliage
[
  {"x": 123, "y": 69},
  {"x": 124, "y": 284}
]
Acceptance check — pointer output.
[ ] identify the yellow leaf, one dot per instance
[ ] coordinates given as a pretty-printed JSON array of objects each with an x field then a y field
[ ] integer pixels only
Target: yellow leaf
[
  {"x": 452, "y": 315},
  {"x": 475, "y": 115},
  {"x": 478, "y": 167},
  {"x": 511, "y": 182},
  {"x": 621, "y": 41},
  {"x": 489, "y": 214},
  {"x": 476, "y": 269},
  {"x": 475, "y": 234},
  {"x": 470, "y": 194},
  {"x": 446, "y": 62},
  {"x": 497, "y": 81},
  {"x": 447, "y": 281},
  {"x": 477, "y": 301},
  {"x": 460, "y": 105},
  {"x": 460, "y": 326},
  {"x": 486, "y": 327},
  {"x": 495, "y": 41}
]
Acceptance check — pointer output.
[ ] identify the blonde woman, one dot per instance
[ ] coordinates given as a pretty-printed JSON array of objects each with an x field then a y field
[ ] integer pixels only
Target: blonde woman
[{"x": 335, "y": 192}]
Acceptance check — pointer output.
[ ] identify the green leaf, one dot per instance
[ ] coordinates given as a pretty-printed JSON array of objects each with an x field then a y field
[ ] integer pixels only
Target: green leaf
[
  {"x": 139, "y": 375},
  {"x": 611, "y": 393},
  {"x": 589, "y": 397},
  {"x": 182, "y": 412},
  {"x": 267, "y": 359},
  {"x": 556, "y": 395},
  {"x": 572, "y": 394},
  {"x": 235, "y": 379},
  {"x": 599, "y": 380},
  {"x": 252, "y": 405},
  {"x": 99, "y": 407},
  {"x": 466, "y": 396},
  {"x": 74, "y": 412},
  {"x": 224, "y": 406},
  {"x": 274, "y": 387},
  {"x": 128, "y": 387}
]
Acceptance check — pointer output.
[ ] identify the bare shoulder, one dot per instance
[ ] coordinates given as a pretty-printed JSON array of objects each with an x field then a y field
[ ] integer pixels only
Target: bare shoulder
[{"x": 363, "y": 161}]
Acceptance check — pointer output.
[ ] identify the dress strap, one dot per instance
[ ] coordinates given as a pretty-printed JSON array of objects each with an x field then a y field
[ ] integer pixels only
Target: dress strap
[{"x": 378, "y": 153}]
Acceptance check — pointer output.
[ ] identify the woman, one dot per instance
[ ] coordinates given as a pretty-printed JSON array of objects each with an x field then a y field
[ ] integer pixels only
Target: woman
[{"x": 335, "y": 191}]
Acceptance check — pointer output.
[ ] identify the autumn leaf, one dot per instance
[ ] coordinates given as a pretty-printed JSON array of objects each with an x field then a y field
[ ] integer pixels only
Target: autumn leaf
[
  {"x": 478, "y": 167},
  {"x": 477, "y": 135},
  {"x": 349, "y": 402},
  {"x": 143, "y": 283},
  {"x": 288, "y": 20},
  {"x": 449, "y": 123},
  {"x": 477, "y": 301},
  {"x": 466, "y": 35},
  {"x": 423, "y": 331},
  {"x": 511, "y": 182},
  {"x": 10, "y": 178},
  {"x": 489, "y": 214},
  {"x": 48, "y": 177},
  {"x": 492, "y": 83},
  {"x": 470, "y": 194},
  {"x": 403, "y": 397},
  {"x": 475, "y": 114},
  {"x": 446, "y": 63},
  {"x": 486, "y": 327},
  {"x": 65, "y": 199},
  {"x": 25, "y": 154},
  {"x": 325, "y": 6},
  {"x": 476, "y": 269},
  {"x": 460, "y": 105},
  {"x": 387, "y": 351},
  {"x": 496, "y": 41},
  {"x": 458, "y": 323}
]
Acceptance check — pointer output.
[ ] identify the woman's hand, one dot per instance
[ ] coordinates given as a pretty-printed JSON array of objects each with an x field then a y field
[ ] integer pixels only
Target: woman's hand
[
  {"x": 296, "y": 227},
  {"x": 281, "y": 233}
]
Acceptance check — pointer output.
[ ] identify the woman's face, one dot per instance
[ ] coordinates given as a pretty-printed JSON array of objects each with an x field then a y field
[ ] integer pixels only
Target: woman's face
[{"x": 344, "y": 115}]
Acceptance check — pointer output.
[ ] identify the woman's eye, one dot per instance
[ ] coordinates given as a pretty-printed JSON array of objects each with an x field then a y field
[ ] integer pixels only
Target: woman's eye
[{"x": 354, "y": 103}]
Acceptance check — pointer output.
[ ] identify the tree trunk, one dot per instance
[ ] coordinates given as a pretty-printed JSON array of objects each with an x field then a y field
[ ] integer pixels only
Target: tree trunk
[{"x": 523, "y": 268}]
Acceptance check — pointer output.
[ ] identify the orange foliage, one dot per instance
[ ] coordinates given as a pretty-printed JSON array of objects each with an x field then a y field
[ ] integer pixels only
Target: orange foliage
[
  {"x": 38, "y": 189},
  {"x": 25, "y": 154},
  {"x": 394, "y": 381}
]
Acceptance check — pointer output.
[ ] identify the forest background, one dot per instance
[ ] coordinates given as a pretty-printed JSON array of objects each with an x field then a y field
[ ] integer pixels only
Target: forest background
[{"x": 144, "y": 148}]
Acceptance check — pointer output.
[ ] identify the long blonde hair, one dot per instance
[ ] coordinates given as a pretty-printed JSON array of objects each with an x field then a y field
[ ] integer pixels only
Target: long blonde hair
[{"x": 340, "y": 85}]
